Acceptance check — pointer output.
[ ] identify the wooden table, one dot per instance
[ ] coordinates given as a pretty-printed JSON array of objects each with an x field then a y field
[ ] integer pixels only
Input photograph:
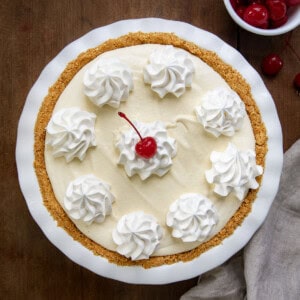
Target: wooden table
[{"x": 32, "y": 33}]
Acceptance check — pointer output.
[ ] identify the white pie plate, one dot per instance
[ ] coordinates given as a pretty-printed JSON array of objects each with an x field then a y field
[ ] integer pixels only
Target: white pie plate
[{"x": 167, "y": 273}]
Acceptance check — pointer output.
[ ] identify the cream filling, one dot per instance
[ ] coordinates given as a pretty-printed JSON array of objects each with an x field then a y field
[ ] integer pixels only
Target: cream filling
[{"x": 154, "y": 195}]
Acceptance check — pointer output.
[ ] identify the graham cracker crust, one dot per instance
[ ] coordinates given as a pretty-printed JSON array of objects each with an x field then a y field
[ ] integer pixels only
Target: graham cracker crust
[{"x": 231, "y": 76}]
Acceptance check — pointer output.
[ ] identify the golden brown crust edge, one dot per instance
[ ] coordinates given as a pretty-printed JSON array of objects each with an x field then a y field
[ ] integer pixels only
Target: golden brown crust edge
[{"x": 231, "y": 76}]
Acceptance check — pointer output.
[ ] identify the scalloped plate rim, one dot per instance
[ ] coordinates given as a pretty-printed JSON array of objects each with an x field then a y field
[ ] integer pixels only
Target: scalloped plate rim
[{"x": 166, "y": 273}]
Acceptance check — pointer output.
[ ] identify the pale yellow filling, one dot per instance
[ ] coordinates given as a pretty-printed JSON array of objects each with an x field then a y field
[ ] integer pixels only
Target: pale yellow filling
[{"x": 154, "y": 195}]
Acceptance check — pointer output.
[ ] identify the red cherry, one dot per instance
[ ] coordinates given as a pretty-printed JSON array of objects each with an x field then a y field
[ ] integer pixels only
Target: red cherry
[
  {"x": 271, "y": 64},
  {"x": 256, "y": 1},
  {"x": 240, "y": 11},
  {"x": 233, "y": 4},
  {"x": 292, "y": 2},
  {"x": 297, "y": 83},
  {"x": 147, "y": 146},
  {"x": 278, "y": 23},
  {"x": 237, "y": 3},
  {"x": 277, "y": 9},
  {"x": 256, "y": 15}
]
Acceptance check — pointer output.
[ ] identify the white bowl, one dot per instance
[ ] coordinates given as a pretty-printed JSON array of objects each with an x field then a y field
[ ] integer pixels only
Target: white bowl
[{"x": 293, "y": 21}]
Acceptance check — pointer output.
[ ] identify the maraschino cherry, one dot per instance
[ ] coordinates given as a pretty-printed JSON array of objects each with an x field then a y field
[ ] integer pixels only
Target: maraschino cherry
[
  {"x": 297, "y": 83},
  {"x": 277, "y": 9},
  {"x": 271, "y": 64},
  {"x": 264, "y": 13},
  {"x": 256, "y": 15},
  {"x": 292, "y": 2},
  {"x": 147, "y": 146}
]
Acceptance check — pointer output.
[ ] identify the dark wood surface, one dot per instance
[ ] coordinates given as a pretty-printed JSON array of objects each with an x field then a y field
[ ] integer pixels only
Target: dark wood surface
[{"x": 32, "y": 33}]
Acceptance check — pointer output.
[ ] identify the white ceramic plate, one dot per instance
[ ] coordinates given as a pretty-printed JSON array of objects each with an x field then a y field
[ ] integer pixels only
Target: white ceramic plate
[{"x": 168, "y": 273}]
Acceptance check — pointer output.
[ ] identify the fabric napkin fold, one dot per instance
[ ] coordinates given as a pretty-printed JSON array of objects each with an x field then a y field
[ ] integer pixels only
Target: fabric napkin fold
[{"x": 269, "y": 266}]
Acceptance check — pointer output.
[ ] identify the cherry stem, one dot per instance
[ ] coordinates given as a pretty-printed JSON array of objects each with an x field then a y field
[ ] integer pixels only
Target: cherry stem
[{"x": 122, "y": 115}]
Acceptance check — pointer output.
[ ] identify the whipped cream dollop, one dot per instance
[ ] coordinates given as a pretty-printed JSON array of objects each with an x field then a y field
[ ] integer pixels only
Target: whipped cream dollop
[
  {"x": 170, "y": 70},
  {"x": 192, "y": 217},
  {"x": 108, "y": 81},
  {"x": 70, "y": 132},
  {"x": 159, "y": 164},
  {"x": 221, "y": 112},
  {"x": 233, "y": 171},
  {"x": 137, "y": 235},
  {"x": 88, "y": 199}
]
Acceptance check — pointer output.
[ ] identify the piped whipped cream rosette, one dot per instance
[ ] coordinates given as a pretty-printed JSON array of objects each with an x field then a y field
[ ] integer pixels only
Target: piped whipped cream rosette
[
  {"x": 233, "y": 171},
  {"x": 88, "y": 199},
  {"x": 170, "y": 70},
  {"x": 221, "y": 112},
  {"x": 192, "y": 218},
  {"x": 70, "y": 132},
  {"x": 159, "y": 164},
  {"x": 108, "y": 81},
  {"x": 137, "y": 235}
]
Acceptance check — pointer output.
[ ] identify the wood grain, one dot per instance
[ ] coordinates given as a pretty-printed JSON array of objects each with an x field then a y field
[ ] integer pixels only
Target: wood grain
[{"x": 32, "y": 32}]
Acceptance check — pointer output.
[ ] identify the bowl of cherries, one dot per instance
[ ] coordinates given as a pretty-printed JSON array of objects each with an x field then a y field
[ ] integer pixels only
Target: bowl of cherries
[{"x": 265, "y": 17}]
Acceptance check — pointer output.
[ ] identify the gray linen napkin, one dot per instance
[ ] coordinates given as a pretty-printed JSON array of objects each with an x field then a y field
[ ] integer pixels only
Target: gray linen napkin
[{"x": 269, "y": 266}]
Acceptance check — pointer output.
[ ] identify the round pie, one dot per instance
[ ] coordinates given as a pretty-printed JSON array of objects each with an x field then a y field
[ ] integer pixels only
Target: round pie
[{"x": 199, "y": 182}]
